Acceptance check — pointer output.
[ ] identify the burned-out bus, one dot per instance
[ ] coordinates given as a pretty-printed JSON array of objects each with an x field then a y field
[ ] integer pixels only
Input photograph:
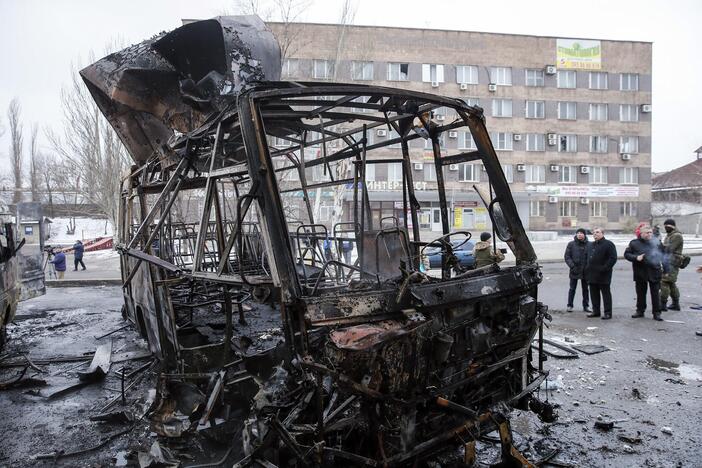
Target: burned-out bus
[{"x": 330, "y": 335}]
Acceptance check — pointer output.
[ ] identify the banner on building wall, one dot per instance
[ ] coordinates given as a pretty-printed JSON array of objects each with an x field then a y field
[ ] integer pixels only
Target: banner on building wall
[
  {"x": 582, "y": 54},
  {"x": 587, "y": 191}
]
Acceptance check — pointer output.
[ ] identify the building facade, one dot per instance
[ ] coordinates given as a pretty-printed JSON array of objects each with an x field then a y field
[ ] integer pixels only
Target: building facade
[{"x": 570, "y": 119}]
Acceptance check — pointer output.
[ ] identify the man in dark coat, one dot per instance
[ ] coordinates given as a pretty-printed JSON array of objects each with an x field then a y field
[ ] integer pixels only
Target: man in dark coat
[
  {"x": 601, "y": 257},
  {"x": 78, "y": 249},
  {"x": 646, "y": 256},
  {"x": 575, "y": 257}
]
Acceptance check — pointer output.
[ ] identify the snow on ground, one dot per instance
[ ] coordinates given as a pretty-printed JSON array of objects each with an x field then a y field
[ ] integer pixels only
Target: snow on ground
[{"x": 86, "y": 229}]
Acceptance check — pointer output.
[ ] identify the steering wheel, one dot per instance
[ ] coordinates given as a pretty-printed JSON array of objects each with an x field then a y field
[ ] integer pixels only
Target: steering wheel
[{"x": 444, "y": 242}]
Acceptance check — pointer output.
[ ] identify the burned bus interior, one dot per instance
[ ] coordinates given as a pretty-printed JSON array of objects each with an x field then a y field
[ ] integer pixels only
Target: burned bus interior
[{"x": 328, "y": 335}]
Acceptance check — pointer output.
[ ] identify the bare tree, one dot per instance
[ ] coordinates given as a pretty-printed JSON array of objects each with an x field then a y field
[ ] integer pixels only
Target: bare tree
[
  {"x": 16, "y": 140},
  {"x": 95, "y": 158},
  {"x": 34, "y": 164}
]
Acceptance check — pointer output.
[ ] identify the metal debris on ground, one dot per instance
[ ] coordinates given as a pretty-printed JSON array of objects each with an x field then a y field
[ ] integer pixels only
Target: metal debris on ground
[{"x": 590, "y": 348}]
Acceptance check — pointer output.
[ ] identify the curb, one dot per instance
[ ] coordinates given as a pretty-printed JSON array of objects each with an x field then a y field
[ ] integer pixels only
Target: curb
[{"x": 73, "y": 283}]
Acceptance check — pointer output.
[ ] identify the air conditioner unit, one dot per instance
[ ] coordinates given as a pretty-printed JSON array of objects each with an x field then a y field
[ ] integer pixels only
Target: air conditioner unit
[
  {"x": 440, "y": 117},
  {"x": 453, "y": 134},
  {"x": 553, "y": 199},
  {"x": 584, "y": 169},
  {"x": 626, "y": 156},
  {"x": 552, "y": 142},
  {"x": 492, "y": 87},
  {"x": 584, "y": 201},
  {"x": 550, "y": 69},
  {"x": 463, "y": 86},
  {"x": 551, "y": 136},
  {"x": 418, "y": 166},
  {"x": 554, "y": 168},
  {"x": 381, "y": 132},
  {"x": 521, "y": 168},
  {"x": 517, "y": 137},
  {"x": 434, "y": 84},
  {"x": 453, "y": 167},
  {"x": 646, "y": 108}
]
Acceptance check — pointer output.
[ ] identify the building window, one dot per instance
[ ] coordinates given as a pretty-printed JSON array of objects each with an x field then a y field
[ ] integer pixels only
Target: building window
[
  {"x": 629, "y": 82},
  {"x": 598, "y": 144},
  {"x": 537, "y": 208},
  {"x": 398, "y": 71},
  {"x": 598, "y": 175},
  {"x": 502, "y": 141},
  {"x": 370, "y": 172},
  {"x": 471, "y": 101},
  {"x": 281, "y": 142},
  {"x": 466, "y": 140},
  {"x": 567, "y": 110},
  {"x": 429, "y": 172},
  {"x": 568, "y": 209},
  {"x": 598, "y": 209},
  {"x": 565, "y": 79},
  {"x": 629, "y": 144},
  {"x": 291, "y": 68},
  {"x": 628, "y": 113},
  {"x": 432, "y": 73},
  {"x": 568, "y": 175},
  {"x": 469, "y": 173},
  {"x": 362, "y": 70},
  {"x": 535, "y": 174},
  {"x": 322, "y": 69},
  {"x": 28, "y": 230},
  {"x": 392, "y": 135},
  {"x": 535, "y": 142},
  {"x": 395, "y": 172},
  {"x": 428, "y": 145},
  {"x": 508, "y": 170},
  {"x": 502, "y": 108},
  {"x": 627, "y": 209},
  {"x": 535, "y": 109},
  {"x": 598, "y": 80},
  {"x": 534, "y": 77},
  {"x": 501, "y": 76},
  {"x": 466, "y": 74},
  {"x": 567, "y": 143},
  {"x": 628, "y": 175},
  {"x": 598, "y": 111}
]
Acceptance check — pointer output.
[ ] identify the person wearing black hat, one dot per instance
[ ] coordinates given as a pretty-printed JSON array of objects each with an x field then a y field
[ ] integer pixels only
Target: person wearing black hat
[
  {"x": 673, "y": 244},
  {"x": 575, "y": 257},
  {"x": 601, "y": 257},
  {"x": 483, "y": 254}
]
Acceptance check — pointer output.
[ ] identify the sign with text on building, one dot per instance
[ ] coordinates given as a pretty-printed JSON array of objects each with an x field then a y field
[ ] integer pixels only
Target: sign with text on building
[
  {"x": 582, "y": 54},
  {"x": 586, "y": 191}
]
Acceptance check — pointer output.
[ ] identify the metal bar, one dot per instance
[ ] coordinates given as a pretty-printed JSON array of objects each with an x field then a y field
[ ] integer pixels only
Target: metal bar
[
  {"x": 461, "y": 158},
  {"x": 320, "y": 185}
]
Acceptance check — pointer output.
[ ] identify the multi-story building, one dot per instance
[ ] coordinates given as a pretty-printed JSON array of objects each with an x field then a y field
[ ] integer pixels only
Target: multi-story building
[{"x": 570, "y": 118}]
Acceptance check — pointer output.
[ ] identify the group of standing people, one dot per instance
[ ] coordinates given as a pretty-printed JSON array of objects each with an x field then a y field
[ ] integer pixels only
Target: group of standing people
[
  {"x": 59, "y": 259},
  {"x": 655, "y": 267}
]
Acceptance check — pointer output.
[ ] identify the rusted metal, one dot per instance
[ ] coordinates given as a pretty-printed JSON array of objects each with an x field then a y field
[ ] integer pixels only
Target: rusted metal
[{"x": 222, "y": 208}]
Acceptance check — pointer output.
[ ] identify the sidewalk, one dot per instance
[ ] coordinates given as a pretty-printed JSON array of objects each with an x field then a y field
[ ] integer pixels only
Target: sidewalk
[{"x": 102, "y": 269}]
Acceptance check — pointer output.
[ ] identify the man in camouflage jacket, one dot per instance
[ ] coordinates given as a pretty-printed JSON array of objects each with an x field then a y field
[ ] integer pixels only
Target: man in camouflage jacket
[{"x": 673, "y": 244}]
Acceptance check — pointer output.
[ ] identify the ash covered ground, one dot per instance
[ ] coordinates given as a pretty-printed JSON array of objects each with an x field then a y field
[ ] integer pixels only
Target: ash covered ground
[{"x": 648, "y": 384}]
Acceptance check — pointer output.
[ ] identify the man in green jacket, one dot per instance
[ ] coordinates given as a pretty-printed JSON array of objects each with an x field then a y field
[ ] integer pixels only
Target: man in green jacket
[
  {"x": 673, "y": 244},
  {"x": 483, "y": 254}
]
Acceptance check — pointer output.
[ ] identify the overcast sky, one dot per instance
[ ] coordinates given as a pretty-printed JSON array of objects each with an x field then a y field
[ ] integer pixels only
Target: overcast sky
[{"x": 41, "y": 39}]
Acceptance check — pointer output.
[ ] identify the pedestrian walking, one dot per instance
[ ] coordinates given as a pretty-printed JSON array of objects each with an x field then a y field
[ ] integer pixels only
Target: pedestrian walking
[
  {"x": 483, "y": 252},
  {"x": 78, "y": 250},
  {"x": 59, "y": 262},
  {"x": 646, "y": 256},
  {"x": 601, "y": 257},
  {"x": 327, "y": 247},
  {"x": 347, "y": 249},
  {"x": 673, "y": 246},
  {"x": 575, "y": 257}
]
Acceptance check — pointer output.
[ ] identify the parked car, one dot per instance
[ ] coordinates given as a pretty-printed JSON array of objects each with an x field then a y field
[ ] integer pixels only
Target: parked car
[{"x": 461, "y": 248}]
